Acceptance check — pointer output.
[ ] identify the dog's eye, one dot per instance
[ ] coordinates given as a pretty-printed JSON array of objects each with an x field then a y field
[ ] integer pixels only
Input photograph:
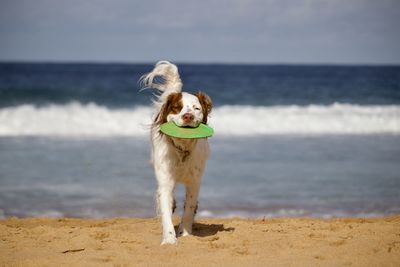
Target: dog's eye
[{"x": 196, "y": 108}]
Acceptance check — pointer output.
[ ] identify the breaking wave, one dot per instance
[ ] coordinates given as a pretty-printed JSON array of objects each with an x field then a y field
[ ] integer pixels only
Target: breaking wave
[{"x": 76, "y": 119}]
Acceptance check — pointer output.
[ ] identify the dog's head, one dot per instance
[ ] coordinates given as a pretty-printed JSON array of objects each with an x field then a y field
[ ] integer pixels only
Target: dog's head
[{"x": 185, "y": 110}]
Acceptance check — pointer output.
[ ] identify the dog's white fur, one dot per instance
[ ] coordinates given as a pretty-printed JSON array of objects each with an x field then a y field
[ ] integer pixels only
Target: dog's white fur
[{"x": 176, "y": 160}]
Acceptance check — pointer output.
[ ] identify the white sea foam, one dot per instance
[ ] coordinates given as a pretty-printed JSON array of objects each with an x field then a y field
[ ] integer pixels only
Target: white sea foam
[
  {"x": 76, "y": 119},
  {"x": 293, "y": 212},
  {"x": 73, "y": 119},
  {"x": 313, "y": 119}
]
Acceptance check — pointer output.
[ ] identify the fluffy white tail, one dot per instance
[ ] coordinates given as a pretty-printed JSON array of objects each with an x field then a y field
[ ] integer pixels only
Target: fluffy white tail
[{"x": 164, "y": 77}]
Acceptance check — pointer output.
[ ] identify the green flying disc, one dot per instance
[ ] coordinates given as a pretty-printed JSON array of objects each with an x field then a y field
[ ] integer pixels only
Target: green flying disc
[{"x": 171, "y": 129}]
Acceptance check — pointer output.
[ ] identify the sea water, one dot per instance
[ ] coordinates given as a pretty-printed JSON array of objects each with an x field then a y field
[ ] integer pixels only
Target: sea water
[{"x": 320, "y": 141}]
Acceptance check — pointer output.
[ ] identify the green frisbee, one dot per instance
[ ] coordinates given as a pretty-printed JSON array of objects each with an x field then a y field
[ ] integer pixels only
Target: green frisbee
[{"x": 171, "y": 129}]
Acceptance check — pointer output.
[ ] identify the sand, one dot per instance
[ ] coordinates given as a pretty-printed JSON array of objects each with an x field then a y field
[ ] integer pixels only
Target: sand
[{"x": 216, "y": 242}]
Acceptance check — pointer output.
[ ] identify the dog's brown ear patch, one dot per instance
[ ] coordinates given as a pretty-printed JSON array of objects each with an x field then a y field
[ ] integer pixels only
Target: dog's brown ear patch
[
  {"x": 206, "y": 105},
  {"x": 173, "y": 105}
]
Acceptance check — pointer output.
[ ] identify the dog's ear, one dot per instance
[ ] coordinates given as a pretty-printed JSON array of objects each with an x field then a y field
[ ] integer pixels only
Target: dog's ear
[
  {"x": 206, "y": 105},
  {"x": 173, "y": 105}
]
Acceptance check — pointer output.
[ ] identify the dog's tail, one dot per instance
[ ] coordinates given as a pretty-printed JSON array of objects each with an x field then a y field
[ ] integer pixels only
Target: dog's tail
[{"x": 164, "y": 77}]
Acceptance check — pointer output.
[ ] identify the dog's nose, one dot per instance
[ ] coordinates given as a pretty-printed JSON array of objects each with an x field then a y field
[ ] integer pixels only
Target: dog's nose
[{"x": 187, "y": 117}]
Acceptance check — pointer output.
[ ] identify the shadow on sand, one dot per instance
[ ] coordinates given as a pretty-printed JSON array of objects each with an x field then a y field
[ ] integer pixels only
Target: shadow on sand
[{"x": 204, "y": 230}]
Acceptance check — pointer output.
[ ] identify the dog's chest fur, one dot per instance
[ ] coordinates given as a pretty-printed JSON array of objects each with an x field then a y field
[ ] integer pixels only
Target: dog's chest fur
[
  {"x": 183, "y": 158},
  {"x": 183, "y": 148}
]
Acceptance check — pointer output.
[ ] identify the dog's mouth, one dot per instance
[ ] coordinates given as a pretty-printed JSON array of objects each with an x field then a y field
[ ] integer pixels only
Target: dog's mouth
[
  {"x": 192, "y": 124},
  {"x": 189, "y": 126}
]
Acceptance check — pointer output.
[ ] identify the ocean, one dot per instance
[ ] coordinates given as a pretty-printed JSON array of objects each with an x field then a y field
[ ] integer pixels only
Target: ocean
[{"x": 290, "y": 140}]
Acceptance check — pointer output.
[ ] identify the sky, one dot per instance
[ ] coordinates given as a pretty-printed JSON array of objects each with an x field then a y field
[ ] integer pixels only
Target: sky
[{"x": 202, "y": 31}]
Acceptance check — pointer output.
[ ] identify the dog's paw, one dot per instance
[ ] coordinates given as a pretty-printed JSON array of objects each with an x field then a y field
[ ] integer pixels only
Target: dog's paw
[
  {"x": 183, "y": 232},
  {"x": 169, "y": 240}
]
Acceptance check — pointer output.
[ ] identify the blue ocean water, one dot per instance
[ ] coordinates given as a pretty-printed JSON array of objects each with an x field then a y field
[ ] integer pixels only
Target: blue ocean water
[
  {"x": 115, "y": 85},
  {"x": 290, "y": 140}
]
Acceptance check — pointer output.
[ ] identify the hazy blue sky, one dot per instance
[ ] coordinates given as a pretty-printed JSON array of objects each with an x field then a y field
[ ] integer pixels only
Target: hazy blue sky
[{"x": 261, "y": 31}]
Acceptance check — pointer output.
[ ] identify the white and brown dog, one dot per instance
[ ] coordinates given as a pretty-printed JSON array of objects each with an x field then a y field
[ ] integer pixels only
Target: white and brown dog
[{"x": 176, "y": 160}]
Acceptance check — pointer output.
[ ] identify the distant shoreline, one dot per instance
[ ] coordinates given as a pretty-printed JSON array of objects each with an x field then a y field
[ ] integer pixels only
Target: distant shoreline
[
  {"x": 188, "y": 63},
  {"x": 216, "y": 242}
]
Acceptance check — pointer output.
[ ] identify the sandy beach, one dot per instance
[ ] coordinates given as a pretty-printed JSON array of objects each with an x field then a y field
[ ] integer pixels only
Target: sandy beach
[{"x": 215, "y": 242}]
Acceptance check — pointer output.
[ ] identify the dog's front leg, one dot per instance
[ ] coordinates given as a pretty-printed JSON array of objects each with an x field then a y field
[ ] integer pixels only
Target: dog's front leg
[
  {"x": 192, "y": 192},
  {"x": 165, "y": 202}
]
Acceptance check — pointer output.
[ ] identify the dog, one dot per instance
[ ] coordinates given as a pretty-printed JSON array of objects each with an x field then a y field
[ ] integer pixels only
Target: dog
[{"x": 176, "y": 160}]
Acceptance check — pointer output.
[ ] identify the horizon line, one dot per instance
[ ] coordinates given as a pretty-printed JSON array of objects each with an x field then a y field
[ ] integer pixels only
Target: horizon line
[{"x": 184, "y": 62}]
